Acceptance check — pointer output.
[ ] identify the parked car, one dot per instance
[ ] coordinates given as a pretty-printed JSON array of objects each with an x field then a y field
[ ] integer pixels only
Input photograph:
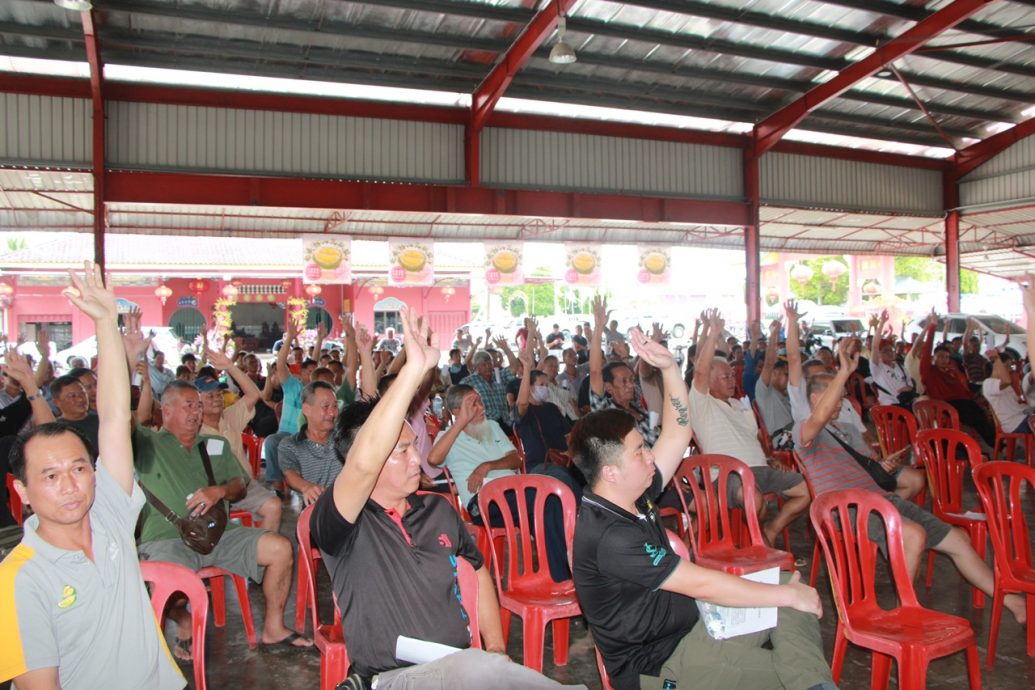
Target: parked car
[
  {"x": 828, "y": 330},
  {"x": 165, "y": 341},
  {"x": 993, "y": 330}
]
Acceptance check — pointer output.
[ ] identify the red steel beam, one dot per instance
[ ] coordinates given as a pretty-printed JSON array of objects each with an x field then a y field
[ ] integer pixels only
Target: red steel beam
[
  {"x": 93, "y": 56},
  {"x": 495, "y": 84},
  {"x": 229, "y": 190},
  {"x": 774, "y": 127},
  {"x": 977, "y": 154}
]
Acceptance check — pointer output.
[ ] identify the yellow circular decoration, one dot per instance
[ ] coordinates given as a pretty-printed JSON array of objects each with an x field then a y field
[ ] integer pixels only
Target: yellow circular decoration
[
  {"x": 655, "y": 263},
  {"x": 584, "y": 263},
  {"x": 505, "y": 261},
  {"x": 328, "y": 257},
  {"x": 413, "y": 260}
]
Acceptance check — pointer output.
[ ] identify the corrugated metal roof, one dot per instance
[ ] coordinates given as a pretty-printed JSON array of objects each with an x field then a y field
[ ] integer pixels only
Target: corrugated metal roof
[{"x": 725, "y": 59}]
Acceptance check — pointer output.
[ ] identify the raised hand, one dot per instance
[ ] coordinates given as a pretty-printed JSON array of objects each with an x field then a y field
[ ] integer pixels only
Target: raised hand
[
  {"x": 790, "y": 309},
  {"x": 651, "y": 351},
  {"x": 290, "y": 332},
  {"x": 716, "y": 323},
  {"x": 17, "y": 367},
  {"x": 42, "y": 342},
  {"x": 468, "y": 411},
  {"x": 133, "y": 338},
  {"x": 500, "y": 343},
  {"x": 848, "y": 353},
  {"x": 774, "y": 328},
  {"x": 363, "y": 339},
  {"x": 321, "y": 330},
  {"x": 219, "y": 360},
  {"x": 94, "y": 299},
  {"x": 657, "y": 333},
  {"x": 420, "y": 354},
  {"x": 600, "y": 313},
  {"x": 525, "y": 356},
  {"x": 347, "y": 326}
]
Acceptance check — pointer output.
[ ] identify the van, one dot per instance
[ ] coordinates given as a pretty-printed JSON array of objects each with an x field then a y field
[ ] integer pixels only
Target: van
[{"x": 993, "y": 330}]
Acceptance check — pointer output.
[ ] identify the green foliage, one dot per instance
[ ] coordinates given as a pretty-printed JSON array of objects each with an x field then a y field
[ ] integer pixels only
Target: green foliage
[
  {"x": 818, "y": 288},
  {"x": 968, "y": 282},
  {"x": 16, "y": 243},
  {"x": 542, "y": 299},
  {"x": 928, "y": 270}
]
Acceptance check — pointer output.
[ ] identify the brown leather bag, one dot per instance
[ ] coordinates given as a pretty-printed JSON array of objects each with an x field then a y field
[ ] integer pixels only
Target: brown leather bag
[{"x": 200, "y": 533}]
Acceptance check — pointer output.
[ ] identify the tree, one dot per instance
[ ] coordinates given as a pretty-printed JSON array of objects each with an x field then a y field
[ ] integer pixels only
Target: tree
[
  {"x": 927, "y": 270},
  {"x": 968, "y": 282},
  {"x": 818, "y": 288},
  {"x": 16, "y": 243}
]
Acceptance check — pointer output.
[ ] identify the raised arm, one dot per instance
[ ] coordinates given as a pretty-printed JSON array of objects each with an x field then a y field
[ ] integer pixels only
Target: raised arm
[
  {"x": 671, "y": 445},
  {"x": 321, "y": 335},
  {"x": 831, "y": 400},
  {"x": 351, "y": 351},
  {"x": 98, "y": 302},
  {"x": 376, "y": 439},
  {"x": 367, "y": 371},
  {"x": 713, "y": 325},
  {"x": 596, "y": 354},
  {"x": 285, "y": 346},
  {"x": 512, "y": 361},
  {"x": 770, "y": 351},
  {"x": 249, "y": 391},
  {"x": 146, "y": 401},
  {"x": 790, "y": 309},
  {"x": 43, "y": 368},
  {"x": 464, "y": 415},
  {"x": 469, "y": 358},
  {"x": 525, "y": 392},
  {"x": 17, "y": 367}
]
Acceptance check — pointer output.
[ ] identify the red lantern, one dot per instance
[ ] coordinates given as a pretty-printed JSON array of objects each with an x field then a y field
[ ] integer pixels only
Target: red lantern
[
  {"x": 313, "y": 290},
  {"x": 802, "y": 274},
  {"x": 197, "y": 285},
  {"x": 377, "y": 291},
  {"x": 163, "y": 292},
  {"x": 833, "y": 270},
  {"x": 230, "y": 291}
]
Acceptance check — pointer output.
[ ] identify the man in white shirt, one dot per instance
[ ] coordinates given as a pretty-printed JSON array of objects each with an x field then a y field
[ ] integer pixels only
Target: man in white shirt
[
  {"x": 726, "y": 425},
  {"x": 1009, "y": 404}
]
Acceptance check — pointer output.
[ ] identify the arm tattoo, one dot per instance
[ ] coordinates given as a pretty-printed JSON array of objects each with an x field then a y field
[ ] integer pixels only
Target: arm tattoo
[{"x": 684, "y": 414}]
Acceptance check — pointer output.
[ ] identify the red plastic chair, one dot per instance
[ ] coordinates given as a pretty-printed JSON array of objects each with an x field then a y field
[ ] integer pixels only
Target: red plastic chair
[
  {"x": 215, "y": 576},
  {"x": 860, "y": 392},
  {"x": 253, "y": 446},
  {"x": 909, "y": 633},
  {"x": 1008, "y": 442},
  {"x": 936, "y": 414},
  {"x": 939, "y": 451},
  {"x": 482, "y": 539},
  {"x": 816, "y": 560},
  {"x": 783, "y": 462},
  {"x": 328, "y": 637},
  {"x": 896, "y": 429},
  {"x": 14, "y": 501},
  {"x": 1001, "y": 487},
  {"x": 166, "y": 579},
  {"x": 526, "y": 588},
  {"x": 305, "y": 587},
  {"x": 245, "y": 518},
  {"x": 714, "y": 540}
]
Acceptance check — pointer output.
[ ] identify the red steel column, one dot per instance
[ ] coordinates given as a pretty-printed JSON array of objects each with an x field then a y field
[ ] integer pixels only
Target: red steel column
[
  {"x": 753, "y": 285},
  {"x": 951, "y": 199}
]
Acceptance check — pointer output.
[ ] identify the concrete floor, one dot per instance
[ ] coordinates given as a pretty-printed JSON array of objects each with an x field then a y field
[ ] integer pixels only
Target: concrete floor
[{"x": 231, "y": 665}]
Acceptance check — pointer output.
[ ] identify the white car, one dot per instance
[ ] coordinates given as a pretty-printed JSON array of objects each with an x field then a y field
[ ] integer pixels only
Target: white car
[
  {"x": 993, "y": 330},
  {"x": 165, "y": 340}
]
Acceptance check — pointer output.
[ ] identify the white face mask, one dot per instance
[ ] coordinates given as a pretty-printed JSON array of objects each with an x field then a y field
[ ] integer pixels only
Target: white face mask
[{"x": 540, "y": 393}]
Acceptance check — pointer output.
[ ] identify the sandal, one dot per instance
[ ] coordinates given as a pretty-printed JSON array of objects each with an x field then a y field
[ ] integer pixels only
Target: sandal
[
  {"x": 289, "y": 641},
  {"x": 183, "y": 651}
]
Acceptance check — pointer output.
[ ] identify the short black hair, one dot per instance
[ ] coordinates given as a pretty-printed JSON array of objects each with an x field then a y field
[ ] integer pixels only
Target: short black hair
[
  {"x": 80, "y": 372},
  {"x": 182, "y": 369},
  {"x": 597, "y": 439},
  {"x": 189, "y": 357},
  {"x": 385, "y": 383},
  {"x": 61, "y": 383},
  {"x": 310, "y": 390},
  {"x": 207, "y": 370},
  {"x": 48, "y": 430},
  {"x": 349, "y": 422}
]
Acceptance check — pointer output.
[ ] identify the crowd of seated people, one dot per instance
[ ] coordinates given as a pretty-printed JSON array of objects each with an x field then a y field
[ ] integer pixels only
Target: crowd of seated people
[{"x": 361, "y": 434}]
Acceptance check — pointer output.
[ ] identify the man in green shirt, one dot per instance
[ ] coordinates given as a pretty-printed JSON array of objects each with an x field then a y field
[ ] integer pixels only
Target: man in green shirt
[{"x": 169, "y": 463}]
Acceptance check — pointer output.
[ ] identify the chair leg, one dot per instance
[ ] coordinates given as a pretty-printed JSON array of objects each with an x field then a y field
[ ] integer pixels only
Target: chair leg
[
  {"x": 561, "y": 630},
  {"x": 1030, "y": 602},
  {"x": 973, "y": 667},
  {"x": 197, "y": 649},
  {"x": 930, "y": 568},
  {"x": 332, "y": 668},
  {"x": 301, "y": 595},
  {"x": 912, "y": 672},
  {"x": 218, "y": 601},
  {"x": 246, "y": 610},
  {"x": 505, "y": 623},
  {"x": 993, "y": 627},
  {"x": 881, "y": 673},
  {"x": 815, "y": 564},
  {"x": 840, "y": 647},
  {"x": 534, "y": 629},
  {"x": 978, "y": 539}
]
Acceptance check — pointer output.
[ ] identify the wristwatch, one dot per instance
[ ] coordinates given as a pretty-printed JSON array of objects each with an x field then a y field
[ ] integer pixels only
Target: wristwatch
[{"x": 34, "y": 396}]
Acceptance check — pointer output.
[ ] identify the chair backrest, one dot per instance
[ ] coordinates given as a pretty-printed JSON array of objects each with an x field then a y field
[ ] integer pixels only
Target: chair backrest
[
  {"x": 715, "y": 525},
  {"x": 14, "y": 501},
  {"x": 460, "y": 508},
  {"x": 526, "y": 560},
  {"x": 166, "y": 579},
  {"x": 1001, "y": 486},
  {"x": 515, "y": 438},
  {"x": 938, "y": 450},
  {"x": 896, "y": 427},
  {"x": 936, "y": 414},
  {"x": 859, "y": 391},
  {"x": 763, "y": 432},
  {"x": 841, "y": 520},
  {"x": 306, "y": 551}
]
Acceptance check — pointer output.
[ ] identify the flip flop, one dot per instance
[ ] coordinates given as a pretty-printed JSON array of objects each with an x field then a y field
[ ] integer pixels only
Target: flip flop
[
  {"x": 289, "y": 641},
  {"x": 184, "y": 647}
]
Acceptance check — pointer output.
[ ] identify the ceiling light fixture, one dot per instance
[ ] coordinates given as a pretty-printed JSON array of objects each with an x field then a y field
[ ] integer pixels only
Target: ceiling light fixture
[
  {"x": 562, "y": 53},
  {"x": 885, "y": 73},
  {"x": 74, "y": 5}
]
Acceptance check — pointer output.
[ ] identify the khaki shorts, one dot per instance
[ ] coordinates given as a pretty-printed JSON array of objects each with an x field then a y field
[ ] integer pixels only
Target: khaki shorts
[
  {"x": 257, "y": 495},
  {"x": 767, "y": 480},
  {"x": 237, "y": 552}
]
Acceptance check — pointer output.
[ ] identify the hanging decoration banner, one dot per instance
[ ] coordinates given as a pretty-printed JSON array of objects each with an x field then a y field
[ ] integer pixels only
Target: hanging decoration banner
[
  {"x": 582, "y": 265},
  {"x": 655, "y": 265},
  {"x": 504, "y": 263},
  {"x": 411, "y": 263},
  {"x": 326, "y": 259}
]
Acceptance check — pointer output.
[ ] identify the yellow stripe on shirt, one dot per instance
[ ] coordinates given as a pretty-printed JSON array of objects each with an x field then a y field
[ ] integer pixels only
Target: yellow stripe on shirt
[{"x": 12, "y": 655}]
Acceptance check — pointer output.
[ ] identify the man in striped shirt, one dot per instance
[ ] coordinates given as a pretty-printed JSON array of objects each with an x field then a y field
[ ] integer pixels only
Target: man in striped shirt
[{"x": 830, "y": 467}]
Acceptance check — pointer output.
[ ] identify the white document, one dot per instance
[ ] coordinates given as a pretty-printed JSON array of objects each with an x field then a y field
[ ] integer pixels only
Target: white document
[
  {"x": 214, "y": 446},
  {"x": 416, "y": 651},
  {"x": 970, "y": 515},
  {"x": 724, "y": 622}
]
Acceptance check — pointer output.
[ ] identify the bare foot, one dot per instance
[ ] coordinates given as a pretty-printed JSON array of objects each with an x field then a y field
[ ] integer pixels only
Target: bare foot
[
  {"x": 1015, "y": 603},
  {"x": 769, "y": 534}
]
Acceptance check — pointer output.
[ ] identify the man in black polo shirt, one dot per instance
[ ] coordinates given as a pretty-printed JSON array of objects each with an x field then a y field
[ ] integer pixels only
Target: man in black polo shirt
[
  {"x": 392, "y": 554},
  {"x": 638, "y": 596}
]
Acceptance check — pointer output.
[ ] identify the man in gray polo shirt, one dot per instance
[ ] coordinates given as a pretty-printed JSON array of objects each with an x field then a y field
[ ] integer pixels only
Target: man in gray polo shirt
[
  {"x": 73, "y": 607},
  {"x": 307, "y": 458}
]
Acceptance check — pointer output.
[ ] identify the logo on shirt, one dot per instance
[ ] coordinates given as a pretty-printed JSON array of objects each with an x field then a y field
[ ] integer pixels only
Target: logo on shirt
[
  {"x": 656, "y": 553},
  {"x": 443, "y": 539},
  {"x": 68, "y": 597}
]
